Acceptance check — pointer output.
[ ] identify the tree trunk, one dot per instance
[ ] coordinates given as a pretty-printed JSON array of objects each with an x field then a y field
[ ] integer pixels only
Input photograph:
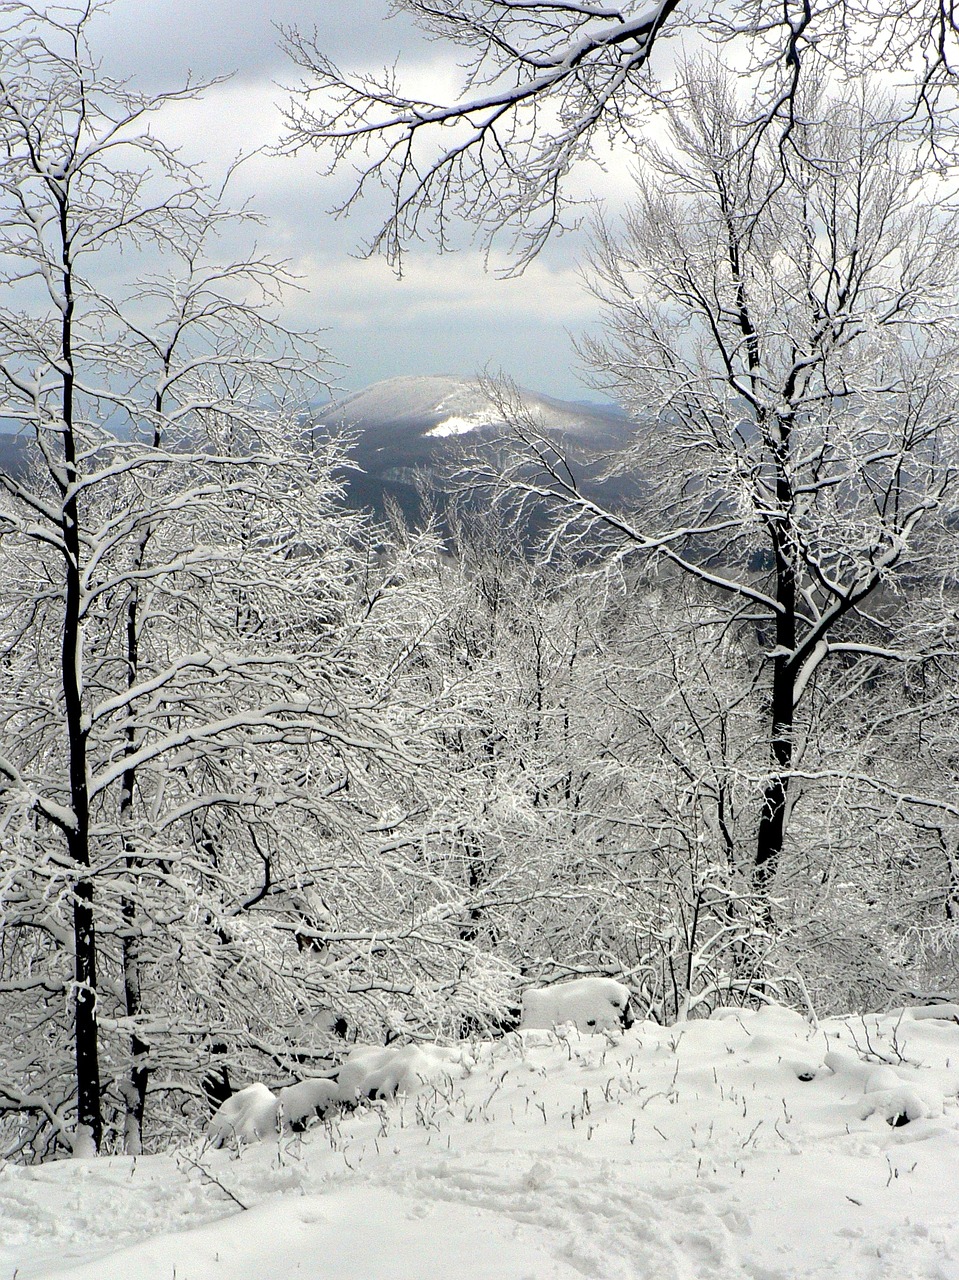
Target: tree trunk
[
  {"x": 772, "y": 818},
  {"x": 89, "y": 1115},
  {"x": 135, "y": 1087}
]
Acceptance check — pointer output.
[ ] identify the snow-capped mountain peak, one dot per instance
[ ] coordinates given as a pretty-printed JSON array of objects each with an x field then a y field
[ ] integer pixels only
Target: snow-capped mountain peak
[
  {"x": 442, "y": 405},
  {"x": 411, "y": 429},
  {"x": 460, "y": 426}
]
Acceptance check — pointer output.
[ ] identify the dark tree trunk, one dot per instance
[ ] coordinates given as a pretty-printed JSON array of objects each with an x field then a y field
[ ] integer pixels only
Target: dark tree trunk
[
  {"x": 772, "y": 818},
  {"x": 78, "y": 841},
  {"x": 135, "y": 1088},
  {"x": 773, "y": 813},
  {"x": 89, "y": 1115},
  {"x": 777, "y": 431},
  {"x": 85, "y": 1012}
]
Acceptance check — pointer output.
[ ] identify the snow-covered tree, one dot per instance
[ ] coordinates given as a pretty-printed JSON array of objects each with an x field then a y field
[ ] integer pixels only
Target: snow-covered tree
[
  {"x": 780, "y": 303},
  {"x": 781, "y": 319},
  {"x": 185, "y": 690},
  {"x": 786, "y": 314},
  {"x": 548, "y": 84}
]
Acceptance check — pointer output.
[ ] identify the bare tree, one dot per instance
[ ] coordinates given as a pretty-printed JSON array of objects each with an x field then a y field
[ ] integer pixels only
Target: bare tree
[
  {"x": 780, "y": 305},
  {"x": 782, "y": 320},
  {"x": 581, "y": 65},
  {"x": 550, "y": 83},
  {"x": 64, "y": 200},
  {"x": 175, "y": 520}
]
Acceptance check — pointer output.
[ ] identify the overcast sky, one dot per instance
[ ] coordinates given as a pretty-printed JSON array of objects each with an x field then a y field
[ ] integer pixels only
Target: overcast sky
[{"x": 447, "y": 315}]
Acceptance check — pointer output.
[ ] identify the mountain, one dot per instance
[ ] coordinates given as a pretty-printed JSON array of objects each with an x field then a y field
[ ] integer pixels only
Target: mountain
[
  {"x": 13, "y": 453},
  {"x": 412, "y": 431}
]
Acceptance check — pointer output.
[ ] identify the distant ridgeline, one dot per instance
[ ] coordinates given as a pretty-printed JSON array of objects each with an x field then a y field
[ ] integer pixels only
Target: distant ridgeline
[
  {"x": 13, "y": 453},
  {"x": 413, "y": 434}
]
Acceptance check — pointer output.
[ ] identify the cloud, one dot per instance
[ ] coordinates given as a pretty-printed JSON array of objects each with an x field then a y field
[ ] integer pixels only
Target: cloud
[
  {"x": 449, "y": 286},
  {"x": 158, "y": 41},
  {"x": 447, "y": 314}
]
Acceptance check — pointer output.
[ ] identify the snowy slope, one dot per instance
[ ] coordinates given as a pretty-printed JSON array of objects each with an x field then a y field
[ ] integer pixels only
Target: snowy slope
[
  {"x": 412, "y": 429},
  {"x": 724, "y": 1149},
  {"x": 438, "y": 405},
  {"x": 12, "y": 453}
]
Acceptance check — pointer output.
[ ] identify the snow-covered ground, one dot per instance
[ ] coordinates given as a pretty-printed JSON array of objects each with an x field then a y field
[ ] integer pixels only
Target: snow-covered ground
[{"x": 723, "y": 1148}]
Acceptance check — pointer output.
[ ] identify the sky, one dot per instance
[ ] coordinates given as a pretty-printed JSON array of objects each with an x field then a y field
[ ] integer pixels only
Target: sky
[{"x": 447, "y": 315}]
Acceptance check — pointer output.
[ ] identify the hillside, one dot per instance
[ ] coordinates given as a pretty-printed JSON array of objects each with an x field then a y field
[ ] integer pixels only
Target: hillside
[
  {"x": 747, "y": 1146},
  {"x": 411, "y": 432},
  {"x": 414, "y": 430}
]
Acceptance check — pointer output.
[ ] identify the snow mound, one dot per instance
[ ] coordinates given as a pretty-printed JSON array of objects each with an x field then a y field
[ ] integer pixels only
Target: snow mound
[
  {"x": 901, "y": 1104},
  {"x": 897, "y": 1099},
  {"x": 590, "y": 1004},
  {"x": 299, "y": 1102},
  {"x": 944, "y": 1011},
  {"x": 371, "y": 1072},
  {"x": 248, "y": 1116}
]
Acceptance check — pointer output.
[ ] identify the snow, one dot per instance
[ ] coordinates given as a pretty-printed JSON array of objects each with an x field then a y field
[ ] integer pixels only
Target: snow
[
  {"x": 591, "y": 1004},
  {"x": 751, "y": 1146},
  {"x": 374, "y": 1072},
  {"x": 410, "y": 399},
  {"x": 248, "y": 1116},
  {"x": 459, "y": 426},
  {"x": 299, "y": 1102}
]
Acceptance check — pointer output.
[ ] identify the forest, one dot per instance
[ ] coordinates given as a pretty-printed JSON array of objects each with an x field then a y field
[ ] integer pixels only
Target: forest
[{"x": 276, "y": 775}]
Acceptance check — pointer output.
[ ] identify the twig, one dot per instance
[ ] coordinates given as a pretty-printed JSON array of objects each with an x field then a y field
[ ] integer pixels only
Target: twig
[{"x": 205, "y": 1173}]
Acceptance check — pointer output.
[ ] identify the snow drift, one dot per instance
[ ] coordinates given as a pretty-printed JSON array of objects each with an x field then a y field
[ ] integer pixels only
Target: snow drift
[
  {"x": 754, "y": 1145},
  {"x": 590, "y": 1004}
]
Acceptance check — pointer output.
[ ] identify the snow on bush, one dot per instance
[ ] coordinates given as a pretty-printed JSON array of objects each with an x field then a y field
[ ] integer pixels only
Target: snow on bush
[
  {"x": 945, "y": 1011},
  {"x": 901, "y": 1105},
  {"x": 307, "y": 1098},
  {"x": 591, "y": 1004},
  {"x": 371, "y": 1072},
  {"x": 82, "y": 1145},
  {"x": 885, "y": 1092},
  {"x": 247, "y": 1116}
]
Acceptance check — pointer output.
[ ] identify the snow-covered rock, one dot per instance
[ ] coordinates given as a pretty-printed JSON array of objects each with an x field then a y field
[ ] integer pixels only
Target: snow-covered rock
[
  {"x": 248, "y": 1116},
  {"x": 901, "y": 1104},
  {"x": 301, "y": 1101},
  {"x": 374, "y": 1072},
  {"x": 591, "y": 1004},
  {"x": 885, "y": 1092}
]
